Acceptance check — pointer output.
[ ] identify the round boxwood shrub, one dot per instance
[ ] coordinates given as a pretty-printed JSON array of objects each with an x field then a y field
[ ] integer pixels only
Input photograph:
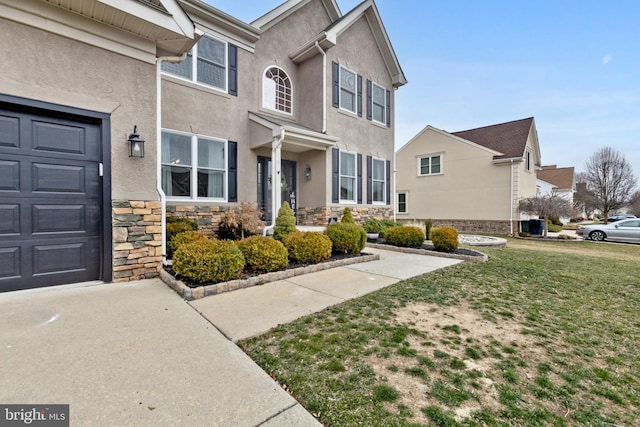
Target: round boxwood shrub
[
  {"x": 308, "y": 247},
  {"x": 444, "y": 239},
  {"x": 177, "y": 225},
  {"x": 346, "y": 238},
  {"x": 181, "y": 239},
  {"x": 264, "y": 254},
  {"x": 285, "y": 222},
  {"x": 406, "y": 236},
  {"x": 209, "y": 260}
]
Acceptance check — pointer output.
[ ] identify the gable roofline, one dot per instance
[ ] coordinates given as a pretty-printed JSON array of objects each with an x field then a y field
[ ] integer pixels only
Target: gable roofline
[
  {"x": 450, "y": 135},
  {"x": 207, "y": 19},
  {"x": 281, "y": 12},
  {"x": 329, "y": 37},
  {"x": 563, "y": 178}
]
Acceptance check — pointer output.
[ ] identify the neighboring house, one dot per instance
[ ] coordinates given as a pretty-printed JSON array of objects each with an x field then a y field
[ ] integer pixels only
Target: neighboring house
[
  {"x": 471, "y": 180},
  {"x": 555, "y": 180},
  {"x": 303, "y": 94}
]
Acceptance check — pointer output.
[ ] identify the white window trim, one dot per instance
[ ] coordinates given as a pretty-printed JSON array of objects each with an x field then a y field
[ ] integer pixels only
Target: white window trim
[
  {"x": 264, "y": 79},
  {"x": 406, "y": 202},
  {"x": 355, "y": 93},
  {"x": 194, "y": 168},
  {"x": 194, "y": 66},
  {"x": 355, "y": 178},
  {"x": 384, "y": 181},
  {"x": 419, "y": 158},
  {"x": 384, "y": 106}
]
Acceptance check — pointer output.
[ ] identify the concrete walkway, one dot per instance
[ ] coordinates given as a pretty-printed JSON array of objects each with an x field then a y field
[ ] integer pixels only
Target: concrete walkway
[{"x": 138, "y": 355}]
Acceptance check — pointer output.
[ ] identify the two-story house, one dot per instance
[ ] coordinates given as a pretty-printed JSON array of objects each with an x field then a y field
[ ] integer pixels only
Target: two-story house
[
  {"x": 296, "y": 106},
  {"x": 115, "y": 113},
  {"x": 471, "y": 180}
]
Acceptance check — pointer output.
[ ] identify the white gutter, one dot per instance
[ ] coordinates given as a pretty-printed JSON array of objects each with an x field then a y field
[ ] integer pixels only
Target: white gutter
[
  {"x": 511, "y": 202},
  {"x": 324, "y": 87},
  {"x": 276, "y": 169},
  {"x": 163, "y": 197}
]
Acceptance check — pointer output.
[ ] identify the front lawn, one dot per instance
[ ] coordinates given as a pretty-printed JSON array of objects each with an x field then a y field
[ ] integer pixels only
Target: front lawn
[{"x": 544, "y": 333}]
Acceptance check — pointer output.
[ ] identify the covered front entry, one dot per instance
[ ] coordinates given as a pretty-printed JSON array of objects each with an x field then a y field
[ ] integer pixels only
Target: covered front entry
[
  {"x": 287, "y": 185},
  {"x": 51, "y": 198}
]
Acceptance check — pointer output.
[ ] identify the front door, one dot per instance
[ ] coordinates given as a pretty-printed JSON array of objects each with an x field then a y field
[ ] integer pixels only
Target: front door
[{"x": 287, "y": 185}]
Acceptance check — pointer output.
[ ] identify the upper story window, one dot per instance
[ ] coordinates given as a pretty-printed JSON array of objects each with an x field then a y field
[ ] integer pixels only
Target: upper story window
[
  {"x": 277, "y": 90},
  {"x": 527, "y": 160},
  {"x": 348, "y": 177},
  {"x": 430, "y": 165},
  {"x": 193, "y": 167},
  {"x": 211, "y": 62},
  {"x": 378, "y": 104},
  {"x": 348, "y": 89},
  {"x": 378, "y": 180}
]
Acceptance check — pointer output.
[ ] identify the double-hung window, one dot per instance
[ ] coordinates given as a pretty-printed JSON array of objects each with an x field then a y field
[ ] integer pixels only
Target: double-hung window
[
  {"x": 378, "y": 104},
  {"x": 348, "y": 89},
  {"x": 206, "y": 63},
  {"x": 193, "y": 166},
  {"x": 348, "y": 177},
  {"x": 378, "y": 180},
  {"x": 430, "y": 165},
  {"x": 402, "y": 202}
]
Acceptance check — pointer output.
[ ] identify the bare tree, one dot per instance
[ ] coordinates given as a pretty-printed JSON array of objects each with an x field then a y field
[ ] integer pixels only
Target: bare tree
[
  {"x": 584, "y": 201},
  {"x": 546, "y": 206},
  {"x": 610, "y": 179}
]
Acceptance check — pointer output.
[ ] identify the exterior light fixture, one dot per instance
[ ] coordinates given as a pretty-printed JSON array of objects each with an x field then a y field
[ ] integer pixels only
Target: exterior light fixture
[
  {"x": 136, "y": 144},
  {"x": 307, "y": 173}
]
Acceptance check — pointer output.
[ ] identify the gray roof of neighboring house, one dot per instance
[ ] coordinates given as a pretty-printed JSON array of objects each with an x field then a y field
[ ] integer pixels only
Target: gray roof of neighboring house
[{"x": 508, "y": 138}]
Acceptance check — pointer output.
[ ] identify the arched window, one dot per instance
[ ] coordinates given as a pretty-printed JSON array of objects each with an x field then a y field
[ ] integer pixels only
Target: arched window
[{"x": 276, "y": 90}]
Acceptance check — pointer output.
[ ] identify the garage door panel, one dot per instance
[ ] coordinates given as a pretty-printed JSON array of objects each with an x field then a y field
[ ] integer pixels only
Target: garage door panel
[
  {"x": 58, "y": 138},
  {"x": 9, "y": 131},
  {"x": 9, "y": 263},
  {"x": 59, "y": 258},
  {"x": 9, "y": 219},
  {"x": 9, "y": 175},
  {"x": 59, "y": 219},
  {"x": 58, "y": 178}
]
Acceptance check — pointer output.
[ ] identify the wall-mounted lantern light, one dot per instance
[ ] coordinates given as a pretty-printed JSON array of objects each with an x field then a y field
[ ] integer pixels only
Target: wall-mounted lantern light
[
  {"x": 136, "y": 144},
  {"x": 307, "y": 173}
]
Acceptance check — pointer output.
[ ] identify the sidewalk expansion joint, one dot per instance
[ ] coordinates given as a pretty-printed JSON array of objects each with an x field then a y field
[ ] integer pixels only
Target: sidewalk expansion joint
[{"x": 277, "y": 414}]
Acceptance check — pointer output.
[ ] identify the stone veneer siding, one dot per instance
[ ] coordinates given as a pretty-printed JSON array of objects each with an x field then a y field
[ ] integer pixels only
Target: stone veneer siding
[
  {"x": 207, "y": 217},
  {"x": 466, "y": 226},
  {"x": 137, "y": 239},
  {"x": 320, "y": 216}
]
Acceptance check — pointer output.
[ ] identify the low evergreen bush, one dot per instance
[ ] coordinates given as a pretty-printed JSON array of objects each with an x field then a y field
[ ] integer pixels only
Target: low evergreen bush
[
  {"x": 209, "y": 260},
  {"x": 181, "y": 239},
  {"x": 407, "y": 236},
  {"x": 308, "y": 247},
  {"x": 264, "y": 254},
  {"x": 176, "y": 225},
  {"x": 444, "y": 239},
  {"x": 346, "y": 238}
]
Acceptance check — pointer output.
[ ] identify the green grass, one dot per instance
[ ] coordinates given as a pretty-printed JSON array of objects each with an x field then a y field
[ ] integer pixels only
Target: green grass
[{"x": 570, "y": 358}]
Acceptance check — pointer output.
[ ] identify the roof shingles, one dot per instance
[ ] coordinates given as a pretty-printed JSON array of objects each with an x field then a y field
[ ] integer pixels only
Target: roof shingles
[{"x": 509, "y": 138}]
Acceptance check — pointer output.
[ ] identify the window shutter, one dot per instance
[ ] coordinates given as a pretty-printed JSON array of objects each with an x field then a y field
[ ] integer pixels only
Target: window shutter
[
  {"x": 369, "y": 100},
  {"x": 388, "y": 182},
  {"x": 359, "y": 89},
  {"x": 335, "y": 175},
  {"x": 359, "y": 166},
  {"x": 369, "y": 180},
  {"x": 336, "y": 84},
  {"x": 233, "y": 70},
  {"x": 388, "y": 109},
  {"x": 233, "y": 171}
]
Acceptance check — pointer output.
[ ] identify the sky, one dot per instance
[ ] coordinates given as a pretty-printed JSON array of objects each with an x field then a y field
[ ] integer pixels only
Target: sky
[{"x": 572, "y": 65}]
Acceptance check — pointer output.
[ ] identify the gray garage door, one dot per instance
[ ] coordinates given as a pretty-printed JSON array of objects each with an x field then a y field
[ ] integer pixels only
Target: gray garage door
[{"x": 50, "y": 199}]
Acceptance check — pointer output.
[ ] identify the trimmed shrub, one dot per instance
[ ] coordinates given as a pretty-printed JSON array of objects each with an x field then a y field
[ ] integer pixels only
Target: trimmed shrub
[
  {"x": 409, "y": 236},
  {"x": 347, "y": 218},
  {"x": 181, "y": 239},
  {"x": 428, "y": 225},
  {"x": 264, "y": 254},
  {"x": 308, "y": 247},
  {"x": 285, "y": 222},
  {"x": 177, "y": 225},
  {"x": 346, "y": 238},
  {"x": 240, "y": 223},
  {"x": 388, "y": 223},
  {"x": 373, "y": 225},
  {"x": 209, "y": 260},
  {"x": 554, "y": 228},
  {"x": 445, "y": 239}
]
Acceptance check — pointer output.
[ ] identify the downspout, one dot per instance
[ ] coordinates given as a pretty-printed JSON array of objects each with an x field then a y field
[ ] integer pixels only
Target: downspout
[
  {"x": 275, "y": 179},
  {"x": 324, "y": 87},
  {"x": 163, "y": 197},
  {"x": 511, "y": 202}
]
